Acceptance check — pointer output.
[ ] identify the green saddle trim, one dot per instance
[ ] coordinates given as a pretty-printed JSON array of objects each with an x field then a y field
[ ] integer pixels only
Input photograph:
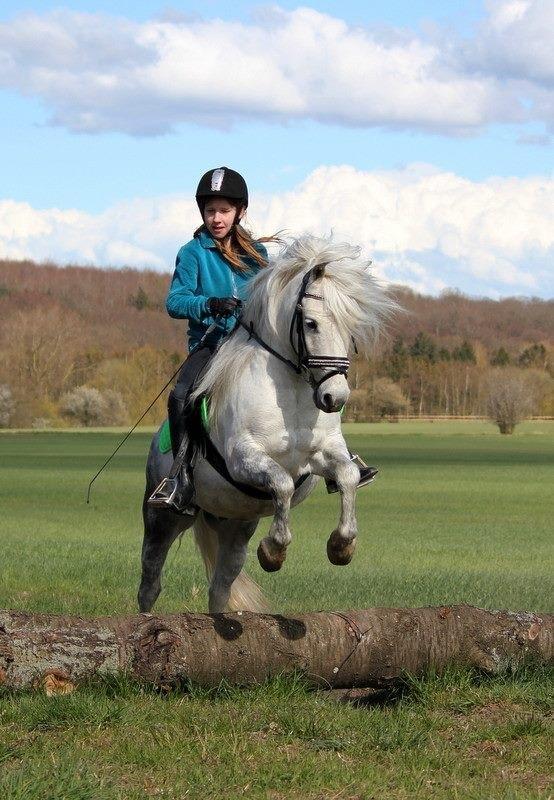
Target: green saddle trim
[
  {"x": 164, "y": 441},
  {"x": 205, "y": 413}
]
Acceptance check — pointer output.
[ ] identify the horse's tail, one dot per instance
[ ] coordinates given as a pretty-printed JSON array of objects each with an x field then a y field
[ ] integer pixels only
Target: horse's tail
[{"x": 245, "y": 595}]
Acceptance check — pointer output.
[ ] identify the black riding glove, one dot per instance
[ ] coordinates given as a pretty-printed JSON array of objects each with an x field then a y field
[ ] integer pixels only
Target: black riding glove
[{"x": 223, "y": 306}]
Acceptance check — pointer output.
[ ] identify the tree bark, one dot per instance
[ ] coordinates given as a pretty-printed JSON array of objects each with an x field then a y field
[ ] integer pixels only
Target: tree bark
[{"x": 368, "y": 648}]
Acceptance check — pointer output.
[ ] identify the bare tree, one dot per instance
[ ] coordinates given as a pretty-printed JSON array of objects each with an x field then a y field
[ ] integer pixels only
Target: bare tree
[
  {"x": 387, "y": 399},
  {"x": 510, "y": 397},
  {"x": 84, "y": 405},
  {"x": 7, "y": 405},
  {"x": 89, "y": 406},
  {"x": 115, "y": 412},
  {"x": 356, "y": 408}
]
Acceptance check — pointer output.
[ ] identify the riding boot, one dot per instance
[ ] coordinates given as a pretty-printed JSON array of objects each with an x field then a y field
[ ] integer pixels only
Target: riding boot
[
  {"x": 177, "y": 490},
  {"x": 176, "y": 416},
  {"x": 367, "y": 474}
]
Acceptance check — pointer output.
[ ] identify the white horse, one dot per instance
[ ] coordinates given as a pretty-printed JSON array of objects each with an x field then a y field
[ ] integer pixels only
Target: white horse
[{"x": 275, "y": 388}]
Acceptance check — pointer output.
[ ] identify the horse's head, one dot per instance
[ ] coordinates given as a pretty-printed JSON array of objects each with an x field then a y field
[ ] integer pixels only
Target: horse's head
[{"x": 321, "y": 347}]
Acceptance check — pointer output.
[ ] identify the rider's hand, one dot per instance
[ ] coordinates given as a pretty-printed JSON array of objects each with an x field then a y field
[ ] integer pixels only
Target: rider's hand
[{"x": 223, "y": 306}]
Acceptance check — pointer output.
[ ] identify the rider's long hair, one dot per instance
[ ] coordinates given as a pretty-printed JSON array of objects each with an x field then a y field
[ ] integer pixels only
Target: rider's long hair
[{"x": 239, "y": 244}]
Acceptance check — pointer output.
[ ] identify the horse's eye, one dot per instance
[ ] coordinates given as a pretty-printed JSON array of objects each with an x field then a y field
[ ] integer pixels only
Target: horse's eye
[{"x": 311, "y": 324}]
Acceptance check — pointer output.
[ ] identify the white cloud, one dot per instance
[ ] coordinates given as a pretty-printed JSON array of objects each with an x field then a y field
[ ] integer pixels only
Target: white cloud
[
  {"x": 516, "y": 41},
  {"x": 97, "y": 73},
  {"x": 425, "y": 228}
]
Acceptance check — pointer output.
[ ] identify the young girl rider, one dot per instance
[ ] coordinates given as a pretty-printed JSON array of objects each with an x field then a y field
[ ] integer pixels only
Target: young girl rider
[{"x": 210, "y": 282}]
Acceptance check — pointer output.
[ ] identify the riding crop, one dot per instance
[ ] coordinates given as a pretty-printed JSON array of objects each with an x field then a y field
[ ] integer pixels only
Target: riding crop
[{"x": 210, "y": 330}]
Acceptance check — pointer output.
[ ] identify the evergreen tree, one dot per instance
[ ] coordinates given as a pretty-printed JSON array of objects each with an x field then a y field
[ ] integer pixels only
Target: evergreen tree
[
  {"x": 500, "y": 358},
  {"x": 533, "y": 356},
  {"x": 139, "y": 300},
  {"x": 424, "y": 348},
  {"x": 464, "y": 352},
  {"x": 396, "y": 360}
]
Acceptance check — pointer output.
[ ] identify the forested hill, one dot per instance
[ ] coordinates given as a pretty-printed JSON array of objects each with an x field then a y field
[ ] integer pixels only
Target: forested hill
[
  {"x": 114, "y": 310},
  {"x": 124, "y": 309},
  {"x": 64, "y": 327}
]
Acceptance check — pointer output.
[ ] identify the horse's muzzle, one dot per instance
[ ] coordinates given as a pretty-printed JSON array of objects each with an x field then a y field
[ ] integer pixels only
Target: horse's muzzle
[{"x": 331, "y": 398}]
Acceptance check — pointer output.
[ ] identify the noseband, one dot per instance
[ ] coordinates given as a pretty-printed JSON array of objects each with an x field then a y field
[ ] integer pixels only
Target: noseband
[{"x": 335, "y": 365}]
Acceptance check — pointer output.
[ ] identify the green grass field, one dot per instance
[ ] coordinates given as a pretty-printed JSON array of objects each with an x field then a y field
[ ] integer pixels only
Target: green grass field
[{"x": 458, "y": 514}]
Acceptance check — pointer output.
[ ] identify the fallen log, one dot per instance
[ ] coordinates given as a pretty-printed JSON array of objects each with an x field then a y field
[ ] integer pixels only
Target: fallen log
[{"x": 365, "y": 648}]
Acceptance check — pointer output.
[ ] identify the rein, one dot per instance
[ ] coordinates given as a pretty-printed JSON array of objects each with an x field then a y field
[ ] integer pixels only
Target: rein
[{"x": 338, "y": 365}]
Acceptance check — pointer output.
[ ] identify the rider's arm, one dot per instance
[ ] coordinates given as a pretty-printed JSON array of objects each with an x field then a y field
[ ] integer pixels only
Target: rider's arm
[{"x": 182, "y": 301}]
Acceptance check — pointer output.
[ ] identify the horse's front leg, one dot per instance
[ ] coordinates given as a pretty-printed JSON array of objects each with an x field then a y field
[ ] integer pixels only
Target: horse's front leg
[
  {"x": 258, "y": 469},
  {"x": 338, "y": 465}
]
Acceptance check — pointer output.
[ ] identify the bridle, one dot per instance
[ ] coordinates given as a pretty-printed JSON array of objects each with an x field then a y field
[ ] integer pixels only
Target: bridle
[
  {"x": 335, "y": 365},
  {"x": 305, "y": 363}
]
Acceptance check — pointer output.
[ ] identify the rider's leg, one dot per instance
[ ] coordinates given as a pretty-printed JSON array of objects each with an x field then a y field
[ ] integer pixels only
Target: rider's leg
[
  {"x": 176, "y": 403},
  {"x": 177, "y": 490}
]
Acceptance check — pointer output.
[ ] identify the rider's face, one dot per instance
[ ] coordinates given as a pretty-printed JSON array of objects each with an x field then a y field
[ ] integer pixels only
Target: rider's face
[{"x": 219, "y": 216}]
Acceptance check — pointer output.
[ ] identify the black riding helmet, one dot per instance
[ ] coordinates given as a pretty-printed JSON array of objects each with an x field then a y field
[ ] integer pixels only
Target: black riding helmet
[{"x": 221, "y": 182}]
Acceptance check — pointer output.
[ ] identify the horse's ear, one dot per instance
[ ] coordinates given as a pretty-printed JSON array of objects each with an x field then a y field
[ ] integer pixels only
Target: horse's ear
[{"x": 318, "y": 271}]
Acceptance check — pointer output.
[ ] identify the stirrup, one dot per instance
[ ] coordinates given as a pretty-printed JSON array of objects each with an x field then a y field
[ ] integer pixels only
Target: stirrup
[
  {"x": 168, "y": 495},
  {"x": 367, "y": 474}
]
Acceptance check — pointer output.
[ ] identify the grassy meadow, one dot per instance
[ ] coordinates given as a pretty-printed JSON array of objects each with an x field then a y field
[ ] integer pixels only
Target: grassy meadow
[{"x": 458, "y": 514}]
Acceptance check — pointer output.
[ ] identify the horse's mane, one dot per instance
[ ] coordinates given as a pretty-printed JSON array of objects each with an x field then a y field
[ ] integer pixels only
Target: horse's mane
[{"x": 352, "y": 295}]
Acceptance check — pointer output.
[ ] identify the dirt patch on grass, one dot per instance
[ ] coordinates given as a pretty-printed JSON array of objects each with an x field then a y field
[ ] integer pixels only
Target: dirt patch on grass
[
  {"x": 494, "y": 713},
  {"x": 540, "y": 782}
]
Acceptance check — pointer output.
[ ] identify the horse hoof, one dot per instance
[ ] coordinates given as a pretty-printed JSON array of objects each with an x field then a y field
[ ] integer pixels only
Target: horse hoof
[
  {"x": 270, "y": 560},
  {"x": 338, "y": 552}
]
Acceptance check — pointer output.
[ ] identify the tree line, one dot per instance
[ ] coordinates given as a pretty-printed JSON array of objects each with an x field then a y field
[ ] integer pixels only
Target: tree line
[{"x": 88, "y": 346}]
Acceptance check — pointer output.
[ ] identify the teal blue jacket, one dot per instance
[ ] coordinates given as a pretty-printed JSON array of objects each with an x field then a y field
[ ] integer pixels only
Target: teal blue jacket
[{"x": 200, "y": 273}]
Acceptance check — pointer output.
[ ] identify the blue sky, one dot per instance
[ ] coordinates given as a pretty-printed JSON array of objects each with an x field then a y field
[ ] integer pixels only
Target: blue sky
[
  {"x": 388, "y": 88},
  {"x": 460, "y": 13}
]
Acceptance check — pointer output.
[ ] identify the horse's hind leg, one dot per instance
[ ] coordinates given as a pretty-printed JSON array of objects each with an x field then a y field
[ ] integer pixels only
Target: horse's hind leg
[
  {"x": 161, "y": 528},
  {"x": 232, "y": 537}
]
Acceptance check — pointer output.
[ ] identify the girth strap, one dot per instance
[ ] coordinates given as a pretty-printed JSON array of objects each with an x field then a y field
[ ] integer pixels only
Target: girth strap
[{"x": 216, "y": 460}]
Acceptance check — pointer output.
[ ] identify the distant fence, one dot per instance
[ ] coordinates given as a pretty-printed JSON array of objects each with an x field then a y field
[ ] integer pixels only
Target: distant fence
[{"x": 466, "y": 418}]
